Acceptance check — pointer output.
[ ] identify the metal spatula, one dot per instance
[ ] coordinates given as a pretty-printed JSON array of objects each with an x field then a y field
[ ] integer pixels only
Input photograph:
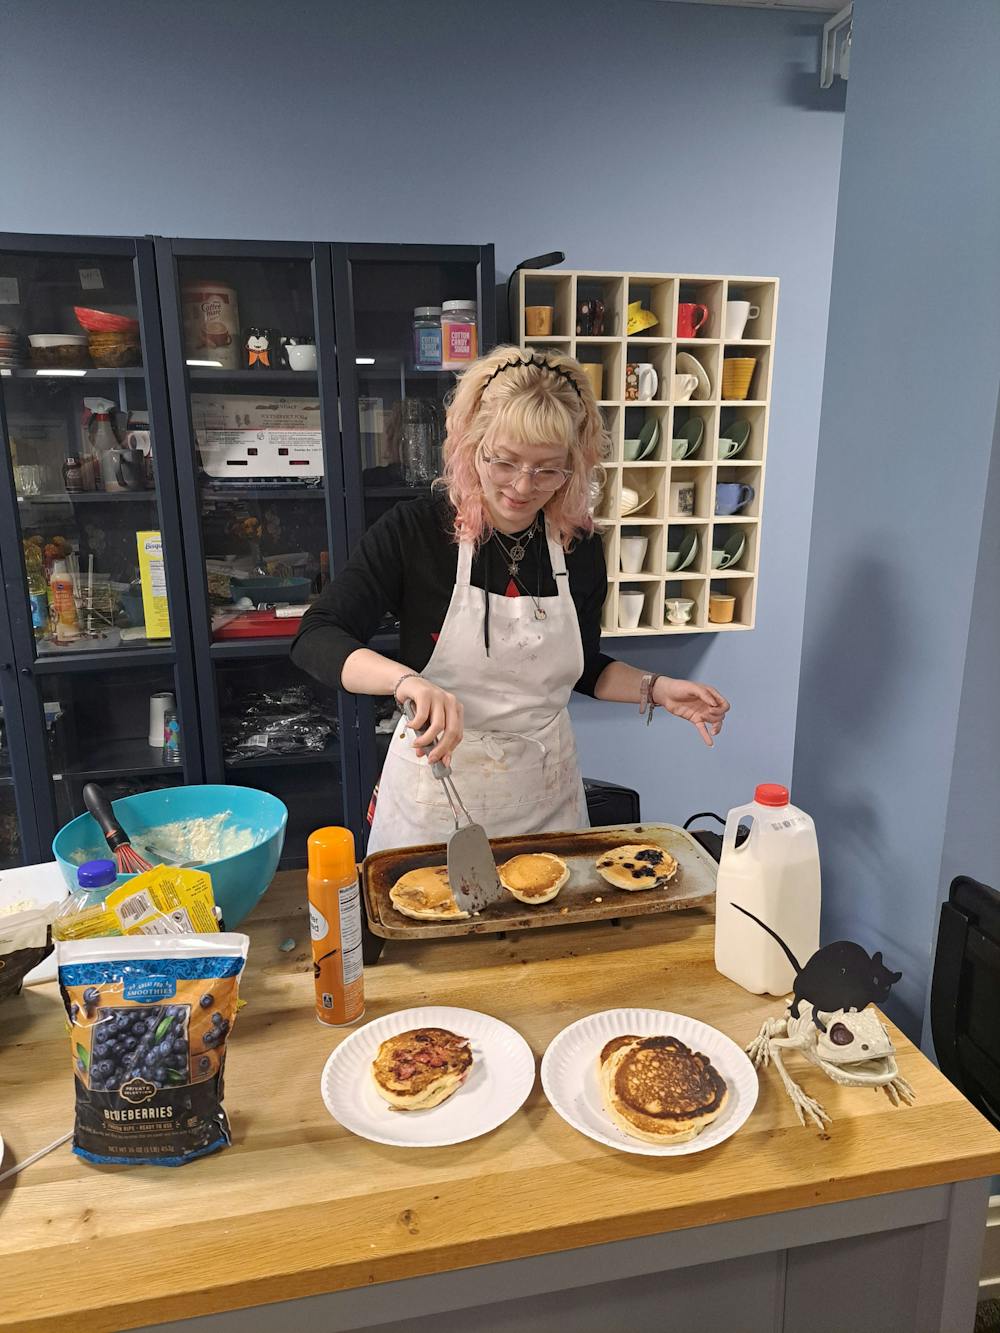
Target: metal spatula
[{"x": 472, "y": 870}]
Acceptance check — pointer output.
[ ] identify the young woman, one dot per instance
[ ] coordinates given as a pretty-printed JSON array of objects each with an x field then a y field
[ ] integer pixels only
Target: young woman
[{"x": 498, "y": 580}]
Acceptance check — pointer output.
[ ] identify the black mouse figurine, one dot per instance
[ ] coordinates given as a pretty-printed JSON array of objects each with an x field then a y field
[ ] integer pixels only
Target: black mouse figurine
[{"x": 838, "y": 976}]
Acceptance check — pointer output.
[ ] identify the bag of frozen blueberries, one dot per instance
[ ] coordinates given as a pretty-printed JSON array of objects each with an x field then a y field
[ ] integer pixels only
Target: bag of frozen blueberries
[{"x": 149, "y": 1017}]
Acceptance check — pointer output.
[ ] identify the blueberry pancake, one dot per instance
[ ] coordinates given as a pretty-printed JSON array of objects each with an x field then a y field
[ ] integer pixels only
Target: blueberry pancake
[{"x": 637, "y": 866}]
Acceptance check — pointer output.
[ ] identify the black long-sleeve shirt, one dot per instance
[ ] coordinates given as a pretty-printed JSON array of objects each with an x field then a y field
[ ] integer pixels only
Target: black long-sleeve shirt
[{"x": 406, "y": 564}]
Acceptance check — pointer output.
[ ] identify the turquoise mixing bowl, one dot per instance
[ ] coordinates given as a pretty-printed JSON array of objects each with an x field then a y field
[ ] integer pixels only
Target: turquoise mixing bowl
[{"x": 239, "y": 881}]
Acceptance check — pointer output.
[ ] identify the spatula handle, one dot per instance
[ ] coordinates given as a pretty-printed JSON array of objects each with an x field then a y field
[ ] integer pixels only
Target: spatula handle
[
  {"x": 99, "y": 806},
  {"x": 439, "y": 769}
]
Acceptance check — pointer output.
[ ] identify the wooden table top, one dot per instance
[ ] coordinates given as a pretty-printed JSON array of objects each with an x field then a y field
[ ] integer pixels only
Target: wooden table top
[{"x": 299, "y": 1206}]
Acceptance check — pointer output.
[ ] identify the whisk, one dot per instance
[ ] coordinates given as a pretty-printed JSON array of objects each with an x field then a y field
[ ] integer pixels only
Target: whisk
[{"x": 127, "y": 859}]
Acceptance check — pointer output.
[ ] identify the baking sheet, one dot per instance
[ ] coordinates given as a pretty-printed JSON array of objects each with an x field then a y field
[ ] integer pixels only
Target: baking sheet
[{"x": 585, "y": 897}]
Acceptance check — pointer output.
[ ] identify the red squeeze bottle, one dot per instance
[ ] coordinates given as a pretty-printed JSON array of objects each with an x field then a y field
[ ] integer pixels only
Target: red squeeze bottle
[{"x": 335, "y": 926}]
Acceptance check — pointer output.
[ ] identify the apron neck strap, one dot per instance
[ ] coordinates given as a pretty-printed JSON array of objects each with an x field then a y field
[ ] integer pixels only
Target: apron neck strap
[
  {"x": 464, "y": 575},
  {"x": 557, "y": 557}
]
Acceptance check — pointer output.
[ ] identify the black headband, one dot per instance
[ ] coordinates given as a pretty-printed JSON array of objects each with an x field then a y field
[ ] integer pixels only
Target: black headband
[{"x": 542, "y": 364}]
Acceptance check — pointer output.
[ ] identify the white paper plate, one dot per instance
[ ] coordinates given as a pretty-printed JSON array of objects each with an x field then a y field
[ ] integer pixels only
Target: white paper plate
[
  {"x": 569, "y": 1076},
  {"x": 503, "y": 1072}
]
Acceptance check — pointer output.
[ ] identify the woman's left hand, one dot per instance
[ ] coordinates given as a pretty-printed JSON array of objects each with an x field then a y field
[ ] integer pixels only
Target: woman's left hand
[{"x": 701, "y": 705}]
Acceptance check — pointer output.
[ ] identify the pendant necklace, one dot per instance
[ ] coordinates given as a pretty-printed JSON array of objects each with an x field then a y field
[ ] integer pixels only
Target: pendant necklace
[{"x": 514, "y": 557}]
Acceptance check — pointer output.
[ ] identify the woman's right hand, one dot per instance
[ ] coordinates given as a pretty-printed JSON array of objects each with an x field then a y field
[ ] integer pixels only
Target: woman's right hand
[{"x": 438, "y": 723}]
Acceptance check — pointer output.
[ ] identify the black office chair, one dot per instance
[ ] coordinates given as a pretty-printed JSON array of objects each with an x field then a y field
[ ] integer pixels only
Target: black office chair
[{"x": 965, "y": 994}]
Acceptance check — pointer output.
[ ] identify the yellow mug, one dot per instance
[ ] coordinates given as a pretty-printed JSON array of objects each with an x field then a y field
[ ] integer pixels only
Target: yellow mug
[
  {"x": 594, "y": 371},
  {"x": 538, "y": 320},
  {"x": 721, "y": 607}
]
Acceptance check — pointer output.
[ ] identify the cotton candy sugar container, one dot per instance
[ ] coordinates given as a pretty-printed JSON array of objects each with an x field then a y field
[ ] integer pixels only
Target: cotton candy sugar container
[{"x": 234, "y": 833}]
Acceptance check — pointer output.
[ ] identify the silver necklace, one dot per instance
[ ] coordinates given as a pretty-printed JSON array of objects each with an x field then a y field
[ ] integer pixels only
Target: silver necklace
[
  {"x": 514, "y": 556},
  {"x": 515, "y": 553}
]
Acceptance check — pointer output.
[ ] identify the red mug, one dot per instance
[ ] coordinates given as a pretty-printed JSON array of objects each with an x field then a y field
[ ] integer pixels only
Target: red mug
[{"x": 686, "y": 312}]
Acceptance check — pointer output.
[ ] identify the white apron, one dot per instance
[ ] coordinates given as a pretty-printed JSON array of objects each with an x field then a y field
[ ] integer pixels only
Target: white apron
[{"x": 516, "y": 768}]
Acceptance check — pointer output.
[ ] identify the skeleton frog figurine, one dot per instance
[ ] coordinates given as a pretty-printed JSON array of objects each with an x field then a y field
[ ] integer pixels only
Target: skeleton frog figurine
[{"x": 845, "y": 1040}]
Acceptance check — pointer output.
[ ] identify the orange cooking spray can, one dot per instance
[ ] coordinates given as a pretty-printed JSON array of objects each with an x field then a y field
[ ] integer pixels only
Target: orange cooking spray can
[{"x": 335, "y": 926}]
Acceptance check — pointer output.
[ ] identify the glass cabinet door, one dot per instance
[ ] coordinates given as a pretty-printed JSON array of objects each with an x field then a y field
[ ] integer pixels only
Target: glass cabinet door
[
  {"x": 409, "y": 317},
  {"x": 89, "y": 517},
  {"x": 251, "y": 363}
]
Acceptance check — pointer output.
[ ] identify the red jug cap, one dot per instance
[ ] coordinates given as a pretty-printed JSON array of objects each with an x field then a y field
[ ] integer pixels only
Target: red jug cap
[{"x": 771, "y": 793}]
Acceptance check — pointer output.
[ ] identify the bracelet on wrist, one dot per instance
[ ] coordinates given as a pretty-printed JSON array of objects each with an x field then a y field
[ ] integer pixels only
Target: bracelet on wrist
[{"x": 407, "y": 675}]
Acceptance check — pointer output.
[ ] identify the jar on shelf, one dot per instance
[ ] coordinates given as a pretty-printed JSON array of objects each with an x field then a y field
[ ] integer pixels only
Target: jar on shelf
[
  {"x": 427, "y": 337},
  {"x": 459, "y": 339}
]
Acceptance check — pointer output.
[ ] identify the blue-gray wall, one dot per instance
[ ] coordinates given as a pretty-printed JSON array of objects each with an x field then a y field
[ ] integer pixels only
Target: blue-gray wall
[
  {"x": 909, "y": 409},
  {"x": 635, "y": 134}
]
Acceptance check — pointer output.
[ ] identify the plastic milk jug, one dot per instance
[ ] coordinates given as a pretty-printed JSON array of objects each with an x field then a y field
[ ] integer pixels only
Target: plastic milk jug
[{"x": 774, "y": 874}]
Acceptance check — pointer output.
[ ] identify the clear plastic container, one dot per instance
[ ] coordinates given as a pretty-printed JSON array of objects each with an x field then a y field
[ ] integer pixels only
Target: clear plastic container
[
  {"x": 459, "y": 334},
  {"x": 427, "y": 337},
  {"x": 84, "y": 914},
  {"x": 774, "y": 874}
]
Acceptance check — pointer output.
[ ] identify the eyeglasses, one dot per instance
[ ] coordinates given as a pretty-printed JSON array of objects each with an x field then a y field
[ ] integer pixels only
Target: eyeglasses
[{"x": 504, "y": 473}]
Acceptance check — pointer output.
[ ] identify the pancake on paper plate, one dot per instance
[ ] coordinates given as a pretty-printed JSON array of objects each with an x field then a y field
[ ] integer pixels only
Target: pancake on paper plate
[
  {"x": 659, "y": 1090},
  {"x": 535, "y": 877},
  {"x": 421, "y": 1068},
  {"x": 426, "y": 895},
  {"x": 638, "y": 865}
]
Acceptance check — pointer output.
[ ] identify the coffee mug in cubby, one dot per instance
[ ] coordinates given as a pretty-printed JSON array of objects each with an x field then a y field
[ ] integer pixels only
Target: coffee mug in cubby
[
  {"x": 738, "y": 315},
  {"x": 641, "y": 381},
  {"x": 633, "y": 553},
  {"x": 684, "y": 387},
  {"x": 682, "y": 499},
  {"x": 678, "y": 609},
  {"x": 731, "y": 496},
  {"x": 630, "y": 606},
  {"x": 690, "y": 317},
  {"x": 737, "y": 373},
  {"x": 538, "y": 320},
  {"x": 594, "y": 372},
  {"x": 721, "y": 607}
]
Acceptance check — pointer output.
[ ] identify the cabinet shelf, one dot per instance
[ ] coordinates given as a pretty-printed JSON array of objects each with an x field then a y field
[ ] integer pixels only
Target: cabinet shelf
[
  {"x": 69, "y": 375},
  {"x": 122, "y": 757},
  {"x": 263, "y": 492},
  {"x": 88, "y": 497},
  {"x": 51, "y": 663},
  {"x": 244, "y": 375},
  {"x": 329, "y": 753}
]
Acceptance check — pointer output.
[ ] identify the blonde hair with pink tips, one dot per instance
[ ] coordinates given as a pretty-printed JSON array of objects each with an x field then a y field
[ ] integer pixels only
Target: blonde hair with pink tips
[{"x": 525, "y": 404}]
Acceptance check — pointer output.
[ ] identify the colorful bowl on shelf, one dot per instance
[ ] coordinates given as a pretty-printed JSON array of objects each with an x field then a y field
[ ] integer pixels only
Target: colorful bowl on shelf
[
  {"x": 737, "y": 372},
  {"x": 103, "y": 321},
  {"x": 117, "y": 350}
]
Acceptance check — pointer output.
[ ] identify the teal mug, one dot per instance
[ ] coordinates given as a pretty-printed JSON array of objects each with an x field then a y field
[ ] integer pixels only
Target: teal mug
[{"x": 731, "y": 496}]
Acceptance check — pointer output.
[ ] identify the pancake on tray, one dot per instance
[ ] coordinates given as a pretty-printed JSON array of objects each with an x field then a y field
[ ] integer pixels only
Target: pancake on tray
[
  {"x": 659, "y": 1090},
  {"x": 425, "y": 894},
  {"x": 419, "y": 1069},
  {"x": 640, "y": 865},
  {"x": 535, "y": 877}
]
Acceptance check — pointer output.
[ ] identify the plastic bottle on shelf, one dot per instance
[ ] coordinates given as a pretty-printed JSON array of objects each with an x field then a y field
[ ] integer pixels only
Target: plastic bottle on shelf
[
  {"x": 335, "y": 926},
  {"x": 38, "y": 591},
  {"x": 774, "y": 874},
  {"x": 459, "y": 337},
  {"x": 427, "y": 337},
  {"x": 62, "y": 604}
]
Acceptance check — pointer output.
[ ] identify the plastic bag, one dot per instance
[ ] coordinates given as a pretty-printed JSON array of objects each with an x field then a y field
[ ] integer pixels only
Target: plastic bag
[{"x": 149, "y": 1020}]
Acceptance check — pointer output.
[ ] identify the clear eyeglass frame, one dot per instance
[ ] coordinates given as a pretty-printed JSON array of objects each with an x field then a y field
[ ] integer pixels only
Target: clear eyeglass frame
[{"x": 503, "y": 472}]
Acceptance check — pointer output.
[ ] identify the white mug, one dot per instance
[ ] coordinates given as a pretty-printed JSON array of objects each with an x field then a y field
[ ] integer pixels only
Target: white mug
[
  {"x": 630, "y": 606},
  {"x": 738, "y": 315},
  {"x": 646, "y": 381},
  {"x": 684, "y": 387},
  {"x": 678, "y": 610},
  {"x": 633, "y": 553},
  {"x": 301, "y": 356}
]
